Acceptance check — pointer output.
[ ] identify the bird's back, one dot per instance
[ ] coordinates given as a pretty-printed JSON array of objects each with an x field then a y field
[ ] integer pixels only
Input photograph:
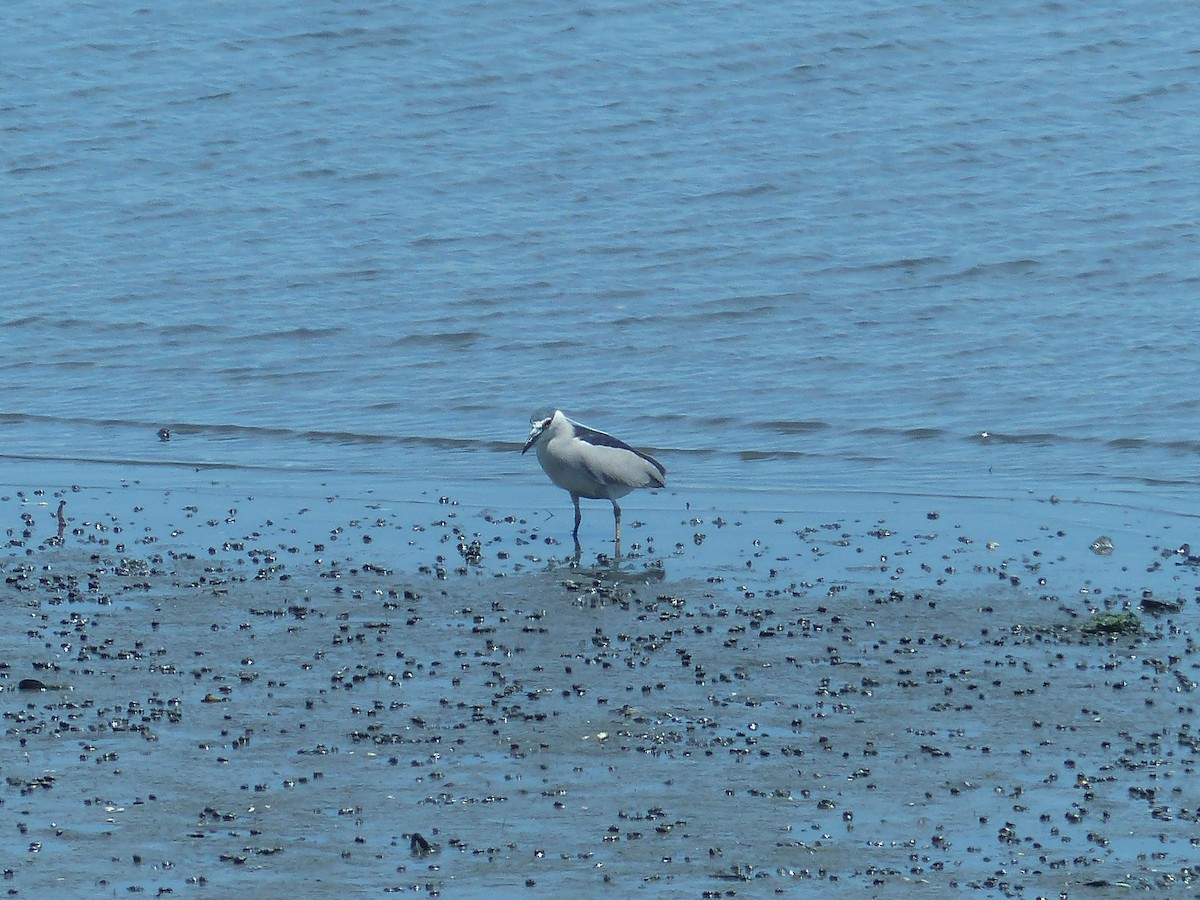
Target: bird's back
[{"x": 597, "y": 465}]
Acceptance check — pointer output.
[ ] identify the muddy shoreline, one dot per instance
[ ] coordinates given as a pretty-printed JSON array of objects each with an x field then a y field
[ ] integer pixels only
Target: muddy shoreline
[{"x": 246, "y": 696}]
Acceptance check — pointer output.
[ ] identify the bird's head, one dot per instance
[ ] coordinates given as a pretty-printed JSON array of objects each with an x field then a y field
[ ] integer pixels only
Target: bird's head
[{"x": 539, "y": 424}]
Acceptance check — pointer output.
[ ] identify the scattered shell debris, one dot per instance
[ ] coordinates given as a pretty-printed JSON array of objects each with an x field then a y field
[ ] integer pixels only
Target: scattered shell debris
[{"x": 240, "y": 694}]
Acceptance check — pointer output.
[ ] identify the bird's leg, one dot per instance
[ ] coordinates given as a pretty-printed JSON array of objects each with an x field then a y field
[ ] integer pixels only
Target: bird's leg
[
  {"x": 575, "y": 533},
  {"x": 617, "y": 520}
]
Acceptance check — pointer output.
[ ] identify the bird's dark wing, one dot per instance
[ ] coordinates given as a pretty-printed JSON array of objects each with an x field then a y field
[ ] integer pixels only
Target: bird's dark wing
[
  {"x": 603, "y": 439},
  {"x": 599, "y": 438}
]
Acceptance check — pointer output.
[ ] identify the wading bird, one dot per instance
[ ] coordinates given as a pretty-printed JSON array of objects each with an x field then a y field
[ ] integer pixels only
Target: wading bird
[{"x": 589, "y": 463}]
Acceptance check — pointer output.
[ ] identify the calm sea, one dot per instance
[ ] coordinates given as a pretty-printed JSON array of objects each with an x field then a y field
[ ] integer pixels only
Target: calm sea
[{"x": 926, "y": 249}]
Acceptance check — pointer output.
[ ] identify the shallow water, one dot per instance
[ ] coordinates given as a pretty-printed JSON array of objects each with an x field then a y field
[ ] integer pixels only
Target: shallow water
[
  {"x": 829, "y": 246},
  {"x": 240, "y": 690},
  {"x": 894, "y": 294}
]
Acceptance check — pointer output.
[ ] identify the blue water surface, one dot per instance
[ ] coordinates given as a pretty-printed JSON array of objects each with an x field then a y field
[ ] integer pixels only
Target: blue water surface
[{"x": 941, "y": 249}]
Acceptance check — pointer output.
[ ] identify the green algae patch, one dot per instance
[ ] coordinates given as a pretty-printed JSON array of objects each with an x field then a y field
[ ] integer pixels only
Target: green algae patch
[{"x": 1115, "y": 624}]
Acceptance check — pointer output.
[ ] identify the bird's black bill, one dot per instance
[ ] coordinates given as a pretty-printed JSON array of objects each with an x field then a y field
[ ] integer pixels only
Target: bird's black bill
[{"x": 539, "y": 428}]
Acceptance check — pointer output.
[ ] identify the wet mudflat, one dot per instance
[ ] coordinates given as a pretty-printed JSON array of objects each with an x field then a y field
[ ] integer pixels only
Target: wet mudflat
[{"x": 210, "y": 696}]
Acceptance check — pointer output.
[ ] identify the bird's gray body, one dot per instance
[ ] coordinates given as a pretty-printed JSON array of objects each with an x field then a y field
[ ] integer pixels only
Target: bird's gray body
[{"x": 589, "y": 463}]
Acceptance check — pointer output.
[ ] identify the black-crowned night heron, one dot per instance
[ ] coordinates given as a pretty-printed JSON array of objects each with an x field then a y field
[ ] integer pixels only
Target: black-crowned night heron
[{"x": 589, "y": 463}]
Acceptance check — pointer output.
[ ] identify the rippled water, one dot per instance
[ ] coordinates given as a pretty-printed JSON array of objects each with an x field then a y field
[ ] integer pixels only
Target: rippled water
[
  {"x": 936, "y": 248},
  {"x": 877, "y": 283}
]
